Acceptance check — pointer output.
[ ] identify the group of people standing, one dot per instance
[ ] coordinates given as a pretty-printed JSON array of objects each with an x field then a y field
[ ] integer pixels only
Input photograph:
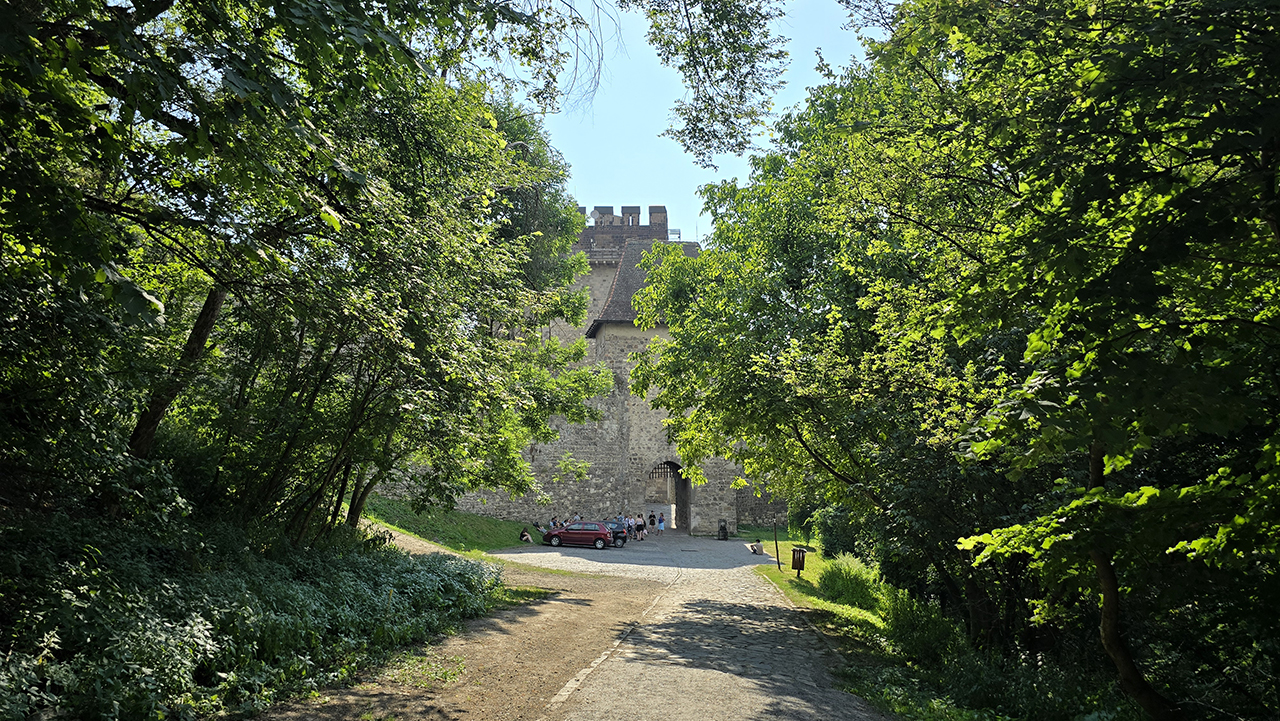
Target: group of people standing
[{"x": 638, "y": 528}]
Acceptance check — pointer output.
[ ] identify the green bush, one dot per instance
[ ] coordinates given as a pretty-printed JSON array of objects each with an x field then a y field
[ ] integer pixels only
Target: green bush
[
  {"x": 917, "y": 629},
  {"x": 114, "y": 623},
  {"x": 800, "y": 520},
  {"x": 913, "y": 628},
  {"x": 1031, "y": 686},
  {"x": 836, "y": 530},
  {"x": 846, "y": 579},
  {"x": 946, "y": 676}
]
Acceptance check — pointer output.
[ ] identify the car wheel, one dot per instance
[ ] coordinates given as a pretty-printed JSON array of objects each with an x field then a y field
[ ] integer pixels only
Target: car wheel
[
  {"x": 599, "y": 544},
  {"x": 617, "y": 543},
  {"x": 555, "y": 540}
]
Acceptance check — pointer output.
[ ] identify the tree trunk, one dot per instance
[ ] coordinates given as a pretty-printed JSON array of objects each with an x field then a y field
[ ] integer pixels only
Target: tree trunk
[
  {"x": 1097, "y": 465},
  {"x": 342, "y": 493},
  {"x": 1132, "y": 679},
  {"x": 314, "y": 384},
  {"x": 302, "y": 517},
  {"x": 358, "y": 497},
  {"x": 167, "y": 389},
  {"x": 984, "y": 618},
  {"x": 361, "y": 494},
  {"x": 358, "y": 494}
]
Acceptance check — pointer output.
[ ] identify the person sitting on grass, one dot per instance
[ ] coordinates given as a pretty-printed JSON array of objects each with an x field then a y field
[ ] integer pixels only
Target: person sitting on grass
[
  {"x": 757, "y": 548},
  {"x": 524, "y": 535}
]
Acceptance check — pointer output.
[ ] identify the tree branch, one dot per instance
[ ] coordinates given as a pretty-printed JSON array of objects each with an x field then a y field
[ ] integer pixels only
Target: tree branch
[{"x": 829, "y": 468}]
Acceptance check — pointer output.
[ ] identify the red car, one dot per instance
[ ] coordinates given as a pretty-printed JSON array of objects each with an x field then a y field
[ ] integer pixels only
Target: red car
[{"x": 580, "y": 533}]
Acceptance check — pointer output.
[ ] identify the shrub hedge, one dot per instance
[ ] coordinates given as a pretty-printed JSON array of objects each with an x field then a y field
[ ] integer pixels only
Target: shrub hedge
[
  {"x": 112, "y": 623},
  {"x": 922, "y": 648},
  {"x": 846, "y": 579}
]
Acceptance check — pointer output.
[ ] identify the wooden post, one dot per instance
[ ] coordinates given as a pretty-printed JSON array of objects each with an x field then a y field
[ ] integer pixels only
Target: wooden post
[{"x": 777, "y": 555}]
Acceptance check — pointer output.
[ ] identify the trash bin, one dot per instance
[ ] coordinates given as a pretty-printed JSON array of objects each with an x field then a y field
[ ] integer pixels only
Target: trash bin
[
  {"x": 797, "y": 560},
  {"x": 724, "y": 530}
]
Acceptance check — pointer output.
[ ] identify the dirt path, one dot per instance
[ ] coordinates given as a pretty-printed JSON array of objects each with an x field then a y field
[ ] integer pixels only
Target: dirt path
[
  {"x": 680, "y": 627},
  {"x": 513, "y": 662}
]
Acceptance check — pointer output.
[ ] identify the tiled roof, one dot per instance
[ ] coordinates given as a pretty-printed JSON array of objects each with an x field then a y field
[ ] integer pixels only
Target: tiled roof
[{"x": 628, "y": 281}]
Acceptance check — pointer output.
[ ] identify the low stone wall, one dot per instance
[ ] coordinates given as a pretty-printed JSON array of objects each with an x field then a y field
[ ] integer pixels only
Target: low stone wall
[
  {"x": 760, "y": 510},
  {"x": 597, "y": 499},
  {"x": 593, "y": 500}
]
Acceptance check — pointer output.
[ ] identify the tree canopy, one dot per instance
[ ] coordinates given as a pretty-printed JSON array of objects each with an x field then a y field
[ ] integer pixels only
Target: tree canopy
[
  {"x": 1009, "y": 291},
  {"x": 280, "y": 253}
]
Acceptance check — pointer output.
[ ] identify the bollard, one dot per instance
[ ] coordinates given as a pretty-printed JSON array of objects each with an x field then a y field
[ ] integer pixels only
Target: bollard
[{"x": 797, "y": 560}]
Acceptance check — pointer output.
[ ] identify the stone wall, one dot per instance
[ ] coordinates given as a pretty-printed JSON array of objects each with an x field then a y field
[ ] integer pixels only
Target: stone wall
[{"x": 760, "y": 510}]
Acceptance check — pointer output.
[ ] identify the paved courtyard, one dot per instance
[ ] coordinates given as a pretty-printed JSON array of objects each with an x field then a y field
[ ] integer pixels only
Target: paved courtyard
[{"x": 718, "y": 642}]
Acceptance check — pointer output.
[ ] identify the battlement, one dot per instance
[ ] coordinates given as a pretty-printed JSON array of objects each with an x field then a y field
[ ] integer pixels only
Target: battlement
[
  {"x": 607, "y": 233},
  {"x": 602, "y": 216}
]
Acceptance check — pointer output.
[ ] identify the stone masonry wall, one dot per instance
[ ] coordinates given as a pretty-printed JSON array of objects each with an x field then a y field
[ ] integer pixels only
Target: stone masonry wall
[{"x": 760, "y": 510}]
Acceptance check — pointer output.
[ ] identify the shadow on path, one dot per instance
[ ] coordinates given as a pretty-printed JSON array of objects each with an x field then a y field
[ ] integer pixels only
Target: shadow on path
[{"x": 770, "y": 647}]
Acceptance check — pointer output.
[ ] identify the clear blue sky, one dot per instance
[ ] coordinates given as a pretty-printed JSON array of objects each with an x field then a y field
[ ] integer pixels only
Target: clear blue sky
[{"x": 612, "y": 142}]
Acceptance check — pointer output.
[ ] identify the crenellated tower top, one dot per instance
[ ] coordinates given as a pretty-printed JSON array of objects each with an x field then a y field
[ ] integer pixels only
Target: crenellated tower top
[{"x": 606, "y": 235}]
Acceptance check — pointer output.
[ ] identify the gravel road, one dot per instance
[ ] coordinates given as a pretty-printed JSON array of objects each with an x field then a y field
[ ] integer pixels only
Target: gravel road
[{"x": 717, "y": 642}]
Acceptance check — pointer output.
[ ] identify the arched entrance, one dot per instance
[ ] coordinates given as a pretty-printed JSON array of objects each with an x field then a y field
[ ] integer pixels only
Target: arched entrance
[
  {"x": 668, "y": 484},
  {"x": 684, "y": 500}
]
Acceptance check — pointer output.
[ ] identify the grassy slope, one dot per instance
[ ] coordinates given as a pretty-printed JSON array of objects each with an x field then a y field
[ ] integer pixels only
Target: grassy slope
[
  {"x": 854, "y": 628},
  {"x": 765, "y": 533},
  {"x": 467, "y": 533},
  {"x": 451, "y": 529}
]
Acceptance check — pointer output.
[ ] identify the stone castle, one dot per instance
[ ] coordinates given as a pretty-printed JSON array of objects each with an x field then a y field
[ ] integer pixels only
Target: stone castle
[{"x": 633, "y": 467}]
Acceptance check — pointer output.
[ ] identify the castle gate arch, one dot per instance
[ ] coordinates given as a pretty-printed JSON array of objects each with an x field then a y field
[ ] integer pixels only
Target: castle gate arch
[{"x": 667, "y": 486}]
